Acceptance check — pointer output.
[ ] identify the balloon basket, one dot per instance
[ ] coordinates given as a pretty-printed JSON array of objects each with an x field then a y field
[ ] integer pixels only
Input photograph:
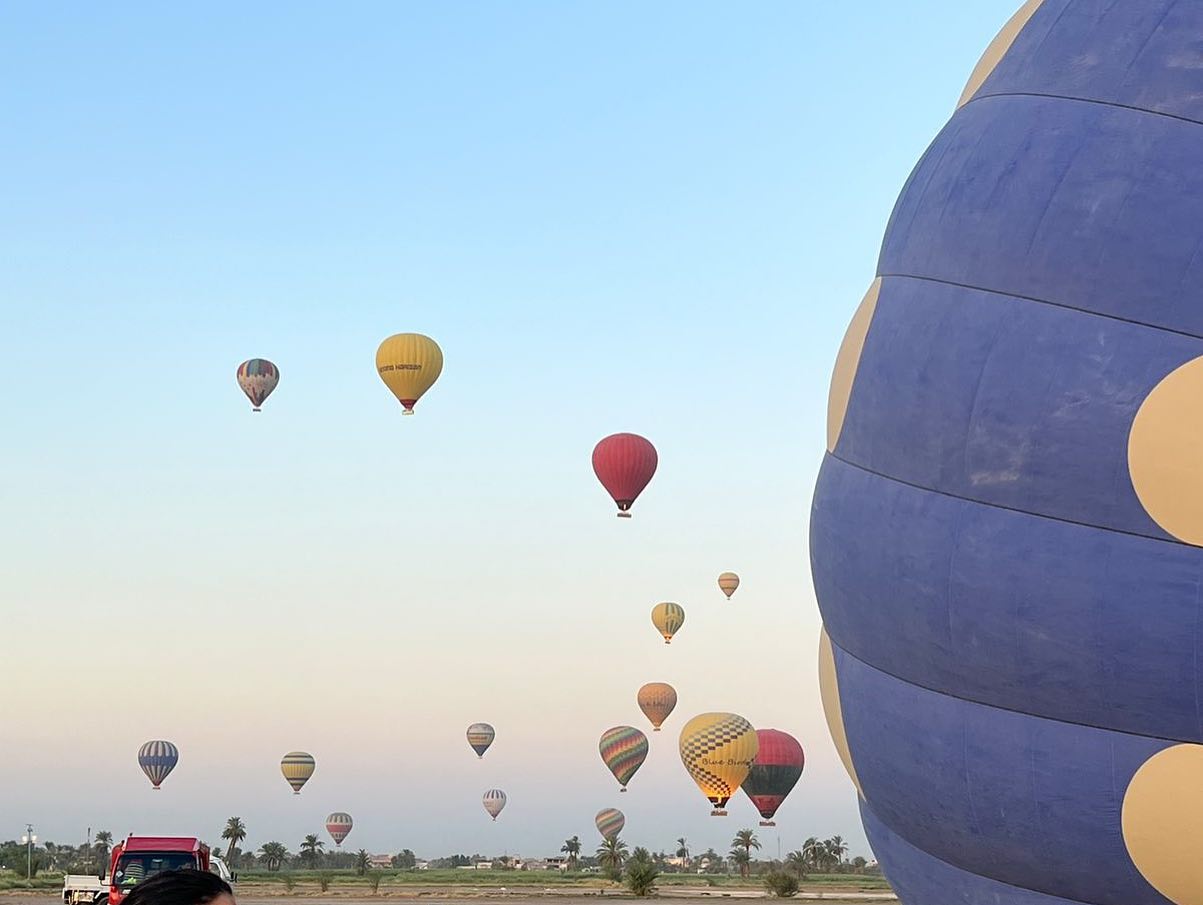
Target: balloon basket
[
  {"x": 408, "y": 412},
  {"x": 256, "y": 409},
  {"x": 623, "y": 789},
  {"x": 768, "y": 823},
  {"x": 718, "y": 812},
  {"x": 655, "y": 729},
  {"x": 624, "y": 515}
]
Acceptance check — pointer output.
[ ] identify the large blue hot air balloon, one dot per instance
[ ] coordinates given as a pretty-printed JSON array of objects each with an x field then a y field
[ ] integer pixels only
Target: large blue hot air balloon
[{"x": 1006, "y": 530}]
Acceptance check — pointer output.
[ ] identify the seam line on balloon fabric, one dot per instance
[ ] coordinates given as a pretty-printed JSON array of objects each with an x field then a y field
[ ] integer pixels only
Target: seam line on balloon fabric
[
  {"x": 975, "y": 500},
  {"x": 978, "y": 703},
  {"x": 1040, "y": 301},
  {"x": 1083, "y": 100},
  {"x": 965, "y": 870}
]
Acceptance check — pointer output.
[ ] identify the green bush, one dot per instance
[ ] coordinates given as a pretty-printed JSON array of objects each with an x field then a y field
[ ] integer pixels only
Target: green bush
[
  {"x": 781, "y": 884},
  {"x": 323, "y": 880},
  {"x": 374, "y": 879},
  {"x": 290, "y": 882},
  {"x": 641, "y": 878}
]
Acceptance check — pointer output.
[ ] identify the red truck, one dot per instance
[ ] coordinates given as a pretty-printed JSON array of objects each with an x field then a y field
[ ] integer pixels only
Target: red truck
[{"x": 139, "y": 857}]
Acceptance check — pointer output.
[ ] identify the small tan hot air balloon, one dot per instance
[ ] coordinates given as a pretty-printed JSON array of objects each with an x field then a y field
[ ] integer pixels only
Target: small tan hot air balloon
[
  {"x": 718, "y": 749},
  {"x": 668, "y": 619},
  {"x": 409, "y": 364},
  {"x": 657, "y": 700},
  {"x": 727, "y": 583}
]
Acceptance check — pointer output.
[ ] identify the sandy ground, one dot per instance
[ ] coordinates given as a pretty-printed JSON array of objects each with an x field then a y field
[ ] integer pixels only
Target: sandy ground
[{"x": 476, "y": 897}]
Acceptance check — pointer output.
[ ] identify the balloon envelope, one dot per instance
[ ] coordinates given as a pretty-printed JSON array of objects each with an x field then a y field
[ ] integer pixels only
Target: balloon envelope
[
  {"x": 657, "y": 701},
  {"x": 727, "y": 583},
  {"x": 257, "y": 377},
  {"x": 717, "y": 750},
  {"x": 494, "y": 801},
  {"x": 668, "y": 619},
  {"x": 297, "y": 767},
  {"x": 775, "y": 772},
  {"x": 409, "y": 364},
  {"x": 624, "y": 463},
  {"x": 339, "y": 825},
  {"x": 610, "y": 822},
  {"x": 480, "y": 737},
  {"x": 157, "y": 759},
  {"x": 623, "y": 750}
]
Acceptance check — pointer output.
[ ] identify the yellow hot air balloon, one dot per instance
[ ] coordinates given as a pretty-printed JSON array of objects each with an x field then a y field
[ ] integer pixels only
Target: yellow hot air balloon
[
  {"x": 727, "y": 583},
  {"x": 657, "y": 700},
  {"x": 668, "y": 619},
  {"x": 409, "y": 364},
  {"x": 718, "y": 749}
]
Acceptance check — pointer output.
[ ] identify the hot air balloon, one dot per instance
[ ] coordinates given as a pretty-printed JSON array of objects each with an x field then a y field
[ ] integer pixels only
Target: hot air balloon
[
  {"x": 338, "y": 825},
  {"x": 718, "y": 749},
  {"x": 778, "y": 764},
  {"x": 258, "y": 377},
  {"x": 727, "y": 583},
  {"x": 610, "y": 822},
  {"x": 480, "y": 736},
  {"x": 297, "y": 767},
  {"x": 409, "y": 364},
  {"x": 657, "y": 700},
  {"x": 624, "y": 463},
  {"x": 1007, "y": 529},
  {"x": 623, "y": 750},
  {"x": 494, "y": 802},
  {"x": 157, "y": 759},
  {"x": 668, "y": 619}
]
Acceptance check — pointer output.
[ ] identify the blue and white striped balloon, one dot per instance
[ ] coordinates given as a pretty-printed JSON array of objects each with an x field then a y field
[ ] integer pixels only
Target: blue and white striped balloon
[
  {"x": 157, "y": 759},
  {"x": 494, "y": 801}
]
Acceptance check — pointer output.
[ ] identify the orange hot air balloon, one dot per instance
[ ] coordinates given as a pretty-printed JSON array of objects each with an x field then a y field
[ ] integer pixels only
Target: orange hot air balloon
[
  {"x": 668, "y": 619},
  {"x": 657, "y": 700},
  {"x": 727, "y": 583}
]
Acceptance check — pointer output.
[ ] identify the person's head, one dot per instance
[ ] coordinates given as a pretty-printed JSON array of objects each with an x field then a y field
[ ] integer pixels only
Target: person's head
[{"x": 182, "y": 887}]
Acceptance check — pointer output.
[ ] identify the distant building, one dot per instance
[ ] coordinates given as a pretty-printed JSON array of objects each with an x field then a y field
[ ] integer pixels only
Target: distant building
[
  {"x": 380, "y": 862},
  {"x": 484, "y": 865},
  {"x": 421, "y": 865}
]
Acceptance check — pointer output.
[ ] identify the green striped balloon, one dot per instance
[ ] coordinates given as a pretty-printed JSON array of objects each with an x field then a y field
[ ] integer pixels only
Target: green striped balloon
[{"x": 623, "y": 750}]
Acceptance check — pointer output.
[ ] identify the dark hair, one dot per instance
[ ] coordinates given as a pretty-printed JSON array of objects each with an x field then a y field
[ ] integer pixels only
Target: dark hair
[{"x": 179, "y": 887}]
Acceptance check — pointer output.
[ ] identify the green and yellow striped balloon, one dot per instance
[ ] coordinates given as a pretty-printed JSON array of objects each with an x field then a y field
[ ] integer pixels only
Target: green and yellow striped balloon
[
  {"x": 668, "y": 619},
  {"x": 297, "y": 767},
  {"x": 623, "y": 750}
]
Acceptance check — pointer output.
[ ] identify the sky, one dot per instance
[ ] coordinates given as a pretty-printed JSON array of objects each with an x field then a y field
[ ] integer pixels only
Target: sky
[{"x": 613, "y": 216}]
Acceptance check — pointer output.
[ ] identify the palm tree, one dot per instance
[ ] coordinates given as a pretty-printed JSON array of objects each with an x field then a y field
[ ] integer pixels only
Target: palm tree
[
  {"x": 572, "y": 848},
  {"x": 683, "y": 851},
  {"x": 104, "y": 841},
  {"x": 641, "y": 856},
  {"x": 837, "y": 847},
  {"x": 796, "y": 861},
  {"x": 235, "y": 831},
  {"x": 273, "y": 854},
  {"x": 311, "y": 848},
  {"x": 741, "y": 859},
  {"x": 611, "y": 854},
  {"x": 362, "y": 861},
  {"x": 812, "y": 852},
  {"x": 746, "y": 839}
]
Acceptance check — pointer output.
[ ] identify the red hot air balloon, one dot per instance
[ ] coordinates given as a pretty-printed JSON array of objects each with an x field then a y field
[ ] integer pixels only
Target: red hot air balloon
[
  {"x": 624, "y": 463},
  {"x": 775, "y": 771}
]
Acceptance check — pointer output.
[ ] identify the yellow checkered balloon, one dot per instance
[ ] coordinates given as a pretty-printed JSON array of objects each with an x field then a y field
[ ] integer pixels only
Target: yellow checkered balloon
[{"x": 717, "y": 750}]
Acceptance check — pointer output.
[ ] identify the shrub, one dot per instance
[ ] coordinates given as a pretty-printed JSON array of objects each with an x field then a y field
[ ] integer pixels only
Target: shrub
[
  {"x": 323, "y": 880},
  {"x": 781, "y": 884},
  {"x": 374, "y": 879},
  {"x": 641, "y": 878},
  {"x": 290, "y": 882}
]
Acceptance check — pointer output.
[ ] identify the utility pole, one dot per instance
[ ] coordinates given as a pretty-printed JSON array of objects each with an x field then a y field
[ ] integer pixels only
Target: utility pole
[{"x": 29, "y": 839}]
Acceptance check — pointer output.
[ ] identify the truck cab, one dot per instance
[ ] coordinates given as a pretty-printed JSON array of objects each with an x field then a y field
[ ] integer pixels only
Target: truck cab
[{"x": 141, "y": 857}]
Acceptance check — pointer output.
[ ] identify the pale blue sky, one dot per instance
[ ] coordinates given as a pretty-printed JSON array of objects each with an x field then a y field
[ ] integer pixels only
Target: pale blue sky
[{"x": 612, "y": 216}]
